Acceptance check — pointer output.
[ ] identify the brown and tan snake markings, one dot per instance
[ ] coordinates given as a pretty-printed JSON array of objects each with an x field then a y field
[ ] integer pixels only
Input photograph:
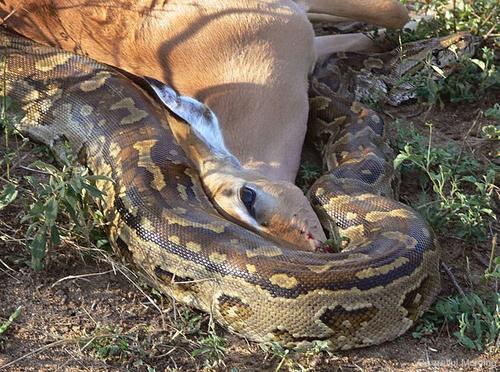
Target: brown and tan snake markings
[{"x": 164, "y": 225}]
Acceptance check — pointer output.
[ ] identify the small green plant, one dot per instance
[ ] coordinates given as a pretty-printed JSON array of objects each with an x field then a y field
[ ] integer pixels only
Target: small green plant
[
  {"x": 109, "y": 343},
  {"x": 8, "y": 194},
  {"x": 479, "y": 17},
  {"x": 212, "y": 348},
  {"x": 136, "y": 348},
  {"x": 476, "y": 323},
  {"x": 426, "y": 326},
  {"x": 70, "y": 192},
  {"x": 493, "y": 112},
  {"x": 5, "y": 325},
  {"x": 294, "y": 360},
  {"x": 469, "y": 82},
  {"x": 190, "y": 321},
  {"x": 493, "y": 270},
  {"x": 492, "y": 131},
  {"x": 10, "y": 116},
  {"x": 461, "y": 201},
  {"x": 308, "y": 173},
  {"x": 471, "y": 76},
  {"x": 279, "y": 352}
]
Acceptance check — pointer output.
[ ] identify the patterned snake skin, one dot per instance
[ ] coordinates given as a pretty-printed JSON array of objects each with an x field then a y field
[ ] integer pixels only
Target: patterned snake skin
[{"x": 162, "y": 223}]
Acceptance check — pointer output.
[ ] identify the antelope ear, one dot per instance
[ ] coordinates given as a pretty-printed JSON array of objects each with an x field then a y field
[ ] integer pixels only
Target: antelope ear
[{"x": 202, "y": 121}]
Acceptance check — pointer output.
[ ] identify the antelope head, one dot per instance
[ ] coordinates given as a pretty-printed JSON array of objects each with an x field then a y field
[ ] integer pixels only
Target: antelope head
[{"x": 276, "y": 209}]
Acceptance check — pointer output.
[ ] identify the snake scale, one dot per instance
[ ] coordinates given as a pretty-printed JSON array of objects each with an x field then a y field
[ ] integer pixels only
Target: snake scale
[{"x": 162, "y": 223}]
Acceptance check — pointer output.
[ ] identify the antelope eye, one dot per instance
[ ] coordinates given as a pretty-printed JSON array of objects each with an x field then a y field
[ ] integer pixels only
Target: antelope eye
[{"x": 247, "y": 196}]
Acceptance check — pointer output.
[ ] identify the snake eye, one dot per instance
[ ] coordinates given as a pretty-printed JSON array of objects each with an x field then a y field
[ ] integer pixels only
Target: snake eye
[{"x": 247, "y": 196}]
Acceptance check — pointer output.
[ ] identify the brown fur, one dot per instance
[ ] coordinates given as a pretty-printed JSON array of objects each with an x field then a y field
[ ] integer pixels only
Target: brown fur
[{"x": 236, "y": 56}]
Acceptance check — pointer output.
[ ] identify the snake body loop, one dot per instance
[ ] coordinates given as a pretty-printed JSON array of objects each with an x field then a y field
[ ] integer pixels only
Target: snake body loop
[{"x": 161, "y": 222}]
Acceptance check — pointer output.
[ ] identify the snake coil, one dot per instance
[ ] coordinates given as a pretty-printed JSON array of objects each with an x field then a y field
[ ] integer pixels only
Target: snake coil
[{"x": 161, "y": 222}]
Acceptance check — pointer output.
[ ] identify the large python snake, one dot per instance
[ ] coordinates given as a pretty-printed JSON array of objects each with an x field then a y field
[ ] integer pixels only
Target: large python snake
[{"x": 162, "y": 223}]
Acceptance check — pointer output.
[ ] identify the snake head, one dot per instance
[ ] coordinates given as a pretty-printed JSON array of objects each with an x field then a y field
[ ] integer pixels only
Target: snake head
[{"x": 276, "y": 209}]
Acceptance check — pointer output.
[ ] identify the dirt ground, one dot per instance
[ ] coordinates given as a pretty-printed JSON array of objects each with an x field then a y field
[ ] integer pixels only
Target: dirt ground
[{"x": 80, "y": 303}]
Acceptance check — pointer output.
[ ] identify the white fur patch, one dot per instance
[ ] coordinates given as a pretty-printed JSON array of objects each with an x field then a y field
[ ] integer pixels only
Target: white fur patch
[{"x": 201, "y": 119}]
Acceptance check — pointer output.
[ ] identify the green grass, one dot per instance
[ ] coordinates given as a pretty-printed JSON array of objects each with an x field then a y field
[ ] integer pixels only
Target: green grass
[
  {"x": 470, "y": 81},
  {"x": 68, "y": 194},
  {"x": 479, "y": 17},
  {"x": 5, "y": 325},
  {"x": 110, "y": 343},
  {"x": 212, "y": 349},
  {"x": 473, "y": 320},
  {"x": 457, "y": 196},
  {"x": 472, "y": 76},
  {"x": 8, "y": 195},
  {"x": 308, "y": 173},
  {"x": 10, "y": 115},
  {"x": 293, "y": 360},
  {"x": 493, "y": 112},
  {"x": 116, "y": 345},
  {"x": 54, "y": 194},
  {"x": 458, "y": 199},
  {"x": 492, "y": 131}
]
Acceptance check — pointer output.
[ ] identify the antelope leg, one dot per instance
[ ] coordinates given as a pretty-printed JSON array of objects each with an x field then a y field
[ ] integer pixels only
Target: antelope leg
[
  {"x": 356, "y": 42},
  {"x": 386, "y": 13}
]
